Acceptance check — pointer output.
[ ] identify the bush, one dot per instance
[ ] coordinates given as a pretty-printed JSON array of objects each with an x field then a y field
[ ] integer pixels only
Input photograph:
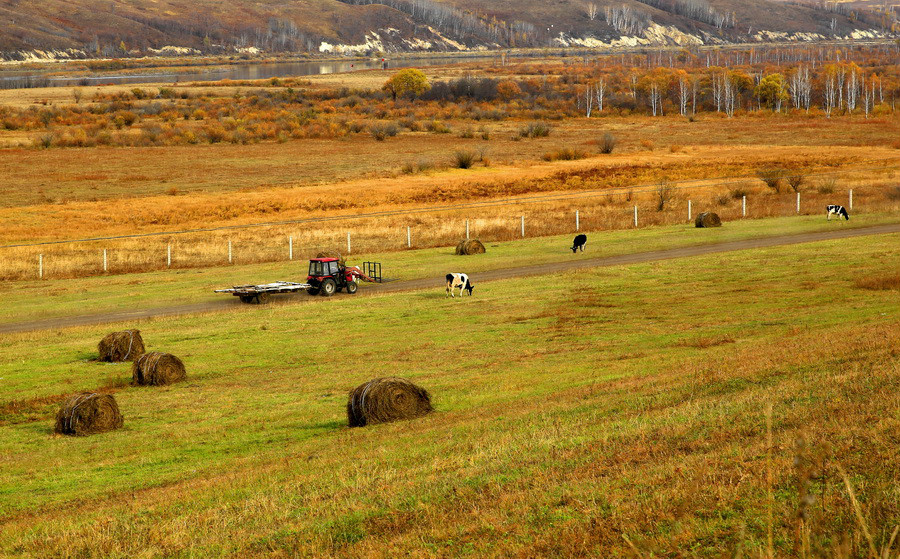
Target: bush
[
  {"x": 464, "y": 159},
  {"x": 564, "y": 154},
  {"x": 607, "y": 143},
  {"x": 772, "y": 178},
  {"x": 467, "y": 133},
  {"x": 437, "y": 127},
  {"x": 648, "y": 144},
  {"x": 535, "y": 130},
  {"x": 893, "y": 193},
  {"x": 827, "y": 186},
  {"x": 796, "y": 180},
  {"x": 382, "y": 131},
  {"x": 738, "y": 192}
]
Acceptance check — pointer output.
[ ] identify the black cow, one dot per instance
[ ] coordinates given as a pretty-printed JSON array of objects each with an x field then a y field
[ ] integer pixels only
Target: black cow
[{"x": 579, "y": 242}]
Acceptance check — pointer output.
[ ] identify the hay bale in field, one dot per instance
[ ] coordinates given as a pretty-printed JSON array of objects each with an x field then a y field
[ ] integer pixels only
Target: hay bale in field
[
  {"x": 157, "y": 369},
  {"x": 332, "y": 254},
  {"x": 708, "y": 219},
  {"x": 88, "y": 413},
  {"x": 386, "y": 399},
  {"x": 470, "y": 246},
  {"x": 127, "y": 345}
]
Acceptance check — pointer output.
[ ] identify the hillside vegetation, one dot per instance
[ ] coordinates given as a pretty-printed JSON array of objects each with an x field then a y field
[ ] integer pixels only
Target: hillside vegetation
[{"x": 85, "y": 28}]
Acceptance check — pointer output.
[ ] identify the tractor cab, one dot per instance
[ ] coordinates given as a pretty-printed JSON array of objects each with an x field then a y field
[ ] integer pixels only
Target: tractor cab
[{"x": 328, "y": 276}]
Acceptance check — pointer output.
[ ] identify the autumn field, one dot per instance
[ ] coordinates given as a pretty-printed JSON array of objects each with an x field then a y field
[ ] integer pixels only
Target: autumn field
[
  {"x": 742, "y": 404},
  {"x": 610, "y": 413}
]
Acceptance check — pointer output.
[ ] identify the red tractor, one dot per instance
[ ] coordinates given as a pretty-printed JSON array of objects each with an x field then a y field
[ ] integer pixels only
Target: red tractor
[{"x": 328, "y": 276}]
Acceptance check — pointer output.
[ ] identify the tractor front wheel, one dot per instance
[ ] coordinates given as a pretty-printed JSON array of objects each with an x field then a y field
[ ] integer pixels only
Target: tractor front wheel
[
  {"x": 328, "y": 287},
  {"x": 312, "y": 290},
  {"x": 352, "y": 287}
]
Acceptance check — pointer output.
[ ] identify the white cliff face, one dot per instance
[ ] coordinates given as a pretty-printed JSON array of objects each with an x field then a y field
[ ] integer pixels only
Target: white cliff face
[
  {"x": 654, "y": 35},
  {"x": 392, "y": 40}
]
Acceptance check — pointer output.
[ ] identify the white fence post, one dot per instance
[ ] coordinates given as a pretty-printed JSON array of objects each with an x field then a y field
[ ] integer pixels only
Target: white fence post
[
  {"x": 169, "y": 256},
  {"x": 744, "y": 206},
  {"x": 798, "y": 202},
  {"x": 577, "y": 222},
  {"x": 635, "y": 217},
  {"x": 523, "y": 226},
  {"x": 851, "y": 199},
  {"x": 229, "y": 251},
  {"x": 40, "y": 266},
  {"x": 467, "y": 229},
  {"x": 104, "y": 261},
  {"x": 689, "y": 210},
  {"x": 408, "y": 237},
  {"x": 290, "y": 248},
  {"x": 348, "y": 242}
]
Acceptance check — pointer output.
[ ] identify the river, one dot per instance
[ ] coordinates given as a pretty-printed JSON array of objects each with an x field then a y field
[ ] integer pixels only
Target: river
[{"x": 15, "y": 79}]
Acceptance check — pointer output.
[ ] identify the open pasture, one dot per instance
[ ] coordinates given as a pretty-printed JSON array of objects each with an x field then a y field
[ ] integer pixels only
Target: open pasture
[{"x": 605, "y": 412}]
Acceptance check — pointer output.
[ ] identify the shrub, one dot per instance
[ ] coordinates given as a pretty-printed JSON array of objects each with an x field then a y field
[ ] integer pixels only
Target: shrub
[
  {"x": 648, "y": 144},
  {"x": 464, "y": 159},
  {"x": 772, "y": 178},
  {"x": 893, "y": 193},
  {"x": 437, "y": 127},
  {"x": 827, "y": 186},
  {"x": 607, "y": 143},
  {"x": 485, "y": 133},
  {"x": 535, "y": 130},
  {"x": 738, "y": 192},
  {"x": 467, "y": 133},
  {"x": 664, "y": 193},
  {"x": 410, "y": 124},
  {"x": 382, "y": 131},
  {"x": 564, "y": 154},
  {"x": 795, "y": 181}
]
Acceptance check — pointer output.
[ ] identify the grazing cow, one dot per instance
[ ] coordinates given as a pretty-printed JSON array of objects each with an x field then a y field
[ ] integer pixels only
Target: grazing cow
[
  {"x": 839, "y": 211},
  {"x": 579, "y": 242},
  {"x": 460, "y": 281}
]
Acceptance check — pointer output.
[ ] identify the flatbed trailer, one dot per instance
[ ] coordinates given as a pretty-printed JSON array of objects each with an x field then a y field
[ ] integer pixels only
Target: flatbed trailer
[{"x": 260, "y": 293}]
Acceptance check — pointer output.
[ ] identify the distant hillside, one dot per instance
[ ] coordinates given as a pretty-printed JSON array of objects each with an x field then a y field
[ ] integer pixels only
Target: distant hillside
[{"x": 110, "y": 28}]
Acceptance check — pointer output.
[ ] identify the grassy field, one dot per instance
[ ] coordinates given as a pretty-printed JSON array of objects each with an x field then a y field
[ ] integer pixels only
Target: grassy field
[
  {"x": 36, "y": 300},
  {"x": 623, "y": 413}
]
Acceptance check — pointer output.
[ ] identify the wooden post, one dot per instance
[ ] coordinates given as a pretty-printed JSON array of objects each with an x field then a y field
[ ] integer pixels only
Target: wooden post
[
  {"x": 169, "y": 256},
  {"x": 689, "y": 211},
  {"x": 467, "y": 229},
  {"x": 523, "y": 226},
  {"x": 577, "y": 222},
  {"x": 408, "y": 237},
  {"x": 348, "y": 242},
  {"x": 744, "y": 206},
  {"x": 851, "y": 199},
  {"x": 290, "y": 248},
  {"x": 635, "y": 217},
  {"x": 229, "y": 251},
  {"x": 798, "y": 203},
  {"x": 40, "y": 266},
  {"x": 104, "y": 261}
]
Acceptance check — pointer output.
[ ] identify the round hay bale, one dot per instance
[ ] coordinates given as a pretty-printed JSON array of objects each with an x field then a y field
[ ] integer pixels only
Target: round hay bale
[
  {"x": 708, "y": 219},
  {"x": 332, "y": 254},
  {"x": 127, "y": 345},
  {"x": 88, "y": 413},
  {"x": 470, "y": 246},
  {"x": 157, "y": 369},
  {"x": 386, "y": 399}
]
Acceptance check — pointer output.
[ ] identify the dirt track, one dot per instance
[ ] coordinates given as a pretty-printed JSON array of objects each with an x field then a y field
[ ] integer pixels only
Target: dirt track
[{"x": 232, "y": 303}]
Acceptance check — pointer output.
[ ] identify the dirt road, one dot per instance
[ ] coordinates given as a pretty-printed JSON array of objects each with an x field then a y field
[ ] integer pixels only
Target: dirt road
[{"x": 231, "y": 303}]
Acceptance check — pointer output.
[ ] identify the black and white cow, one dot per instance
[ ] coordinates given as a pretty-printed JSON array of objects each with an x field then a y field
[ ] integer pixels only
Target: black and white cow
[
  {"x": 839, "y": 211},
  {"x": 579, "y": 242},
  {"x": 459, "y": 281}
]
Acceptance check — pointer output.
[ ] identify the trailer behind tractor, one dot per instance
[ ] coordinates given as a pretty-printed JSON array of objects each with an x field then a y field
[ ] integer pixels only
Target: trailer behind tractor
[{"x": 326, "y": 277}]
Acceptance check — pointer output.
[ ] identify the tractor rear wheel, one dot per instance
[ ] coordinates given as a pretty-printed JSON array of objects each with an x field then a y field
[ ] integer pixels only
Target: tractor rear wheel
[
  {"x": 263, "y": 298},
  {"x": 352, "y": 287},
  {"x": 328, "y": 287}
]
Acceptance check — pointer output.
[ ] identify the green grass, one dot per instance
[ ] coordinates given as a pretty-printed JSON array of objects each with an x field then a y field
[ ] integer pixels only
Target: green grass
[
  {"x": 35, "y": 300},
  {"x": 630, "y": 402}
]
